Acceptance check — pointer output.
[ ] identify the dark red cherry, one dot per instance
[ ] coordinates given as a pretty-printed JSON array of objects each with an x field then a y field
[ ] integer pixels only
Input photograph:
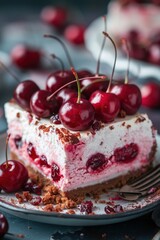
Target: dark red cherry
[
  {"x": 65, "y": 94},
  {"x": 54, "y": 16},
  {"x": 58, "y": 79},
  {"x": 77, "y": 116},
  {"x": 13, "y": 176},
  {"x": 84, "y": 73},
  {"x": 75, "y": 34},
  {"x": 127, "y": 153},
  {"x": 86, "y": 207},
  {"x": 90, "y": 86},
  {"x": 130, "y": 97},
  {"x": 3, "y": 225},
  {"x": 107, "y": 105},
  {"x": 151, "y": 95},
  {"x": 96, "y": 163},
  {"x": 42, "y": 107},
  {"x": 25, "y": 57},
  {"x": 24, "y": 92}
]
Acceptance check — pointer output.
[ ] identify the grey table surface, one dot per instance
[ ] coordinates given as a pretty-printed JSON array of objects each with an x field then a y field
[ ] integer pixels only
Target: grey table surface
[{"x": 142, "y": 228}]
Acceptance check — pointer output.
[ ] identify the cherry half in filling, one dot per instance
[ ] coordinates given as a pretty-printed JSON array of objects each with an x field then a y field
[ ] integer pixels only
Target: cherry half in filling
[
  {"x": 31, "y": 151},
  {"x": 126, "y": 153},
  {"x": 96, "y": 163}
]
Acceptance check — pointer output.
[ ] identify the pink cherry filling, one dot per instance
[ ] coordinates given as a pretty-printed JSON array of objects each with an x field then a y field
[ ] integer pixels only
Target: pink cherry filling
[{"x": 98, "y": 162}]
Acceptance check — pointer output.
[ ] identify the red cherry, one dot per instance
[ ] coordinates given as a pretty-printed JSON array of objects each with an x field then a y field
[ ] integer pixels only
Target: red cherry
[
  {"x": 3, "y": 225},
  {"x": 151, "y": 95},
  {"x": 13, "y": 176},
  {"x": 65, "y": 94},
  {"x": 138, "y": 51},
  {"x": 25, "y": 57},
  {"x": 88, "y": 86},
  {"x": 24, "y": 92},
  {"x": 42, "y": 107},
  {"x": 54, "y": 16},
  {"x": 58, "y": 79},
  {"x": 84, "y": 73},
  {"x": 130, "y": 97},
  {"x": 77, "y": 116},
  {"x": 75, "y": 34},
  {"x": 106, "y": 105}
]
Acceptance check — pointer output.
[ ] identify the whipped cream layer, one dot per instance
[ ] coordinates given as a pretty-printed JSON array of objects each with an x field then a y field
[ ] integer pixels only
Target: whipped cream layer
[
  {"x": 80, "y": 158},
  {"x": 143, "y": 17}
]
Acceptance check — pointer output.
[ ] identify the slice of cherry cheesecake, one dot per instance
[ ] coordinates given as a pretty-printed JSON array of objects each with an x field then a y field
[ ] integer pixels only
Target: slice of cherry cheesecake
[{"x": 81, "y": 162}]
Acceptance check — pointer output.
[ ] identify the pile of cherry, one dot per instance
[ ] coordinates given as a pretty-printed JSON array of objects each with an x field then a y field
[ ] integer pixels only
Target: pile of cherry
[{"x": 97, "y": 97}]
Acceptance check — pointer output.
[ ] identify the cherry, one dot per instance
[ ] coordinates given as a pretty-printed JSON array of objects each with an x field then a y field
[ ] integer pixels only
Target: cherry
[
  {"x": 84, "y": 73},
  {"x": 113, "y": 209},
  {"x": 130, "y": 97},
  {"x": 31, "y": 151},
  {"x": 151, "y": 95},
  {"x": 106, "y": 104},
  {"x": 25, "y": 57},
  {"x": 58, "y": 79},
  {"x": 54, "y": 16},
  {"x": 3, "y": 225},
  {"x": 41, "y": 106},
  {"x": 129, "y": 94},
  {"x": 75, "y": 115},
  {"x": 24, "y": 92},
  {"x": 65, "y": 94},
  {"x": 96, "y": 163},
  {"x": 86, "y": 207},
  {"x": 89, "y": 85},
  {"x": 75, "y": 34},
  {"x": 126, "y": 153},
  {"x": 13, "y": 174}
]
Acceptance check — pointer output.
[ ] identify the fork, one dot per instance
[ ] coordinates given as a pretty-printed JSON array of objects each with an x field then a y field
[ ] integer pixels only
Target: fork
[{"x": 141, "y": 186}]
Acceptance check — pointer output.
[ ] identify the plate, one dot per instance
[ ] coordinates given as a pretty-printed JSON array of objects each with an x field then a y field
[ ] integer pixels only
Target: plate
[
  {"x": 93, "y": 42},
  {"x": 9, "y": 204}
]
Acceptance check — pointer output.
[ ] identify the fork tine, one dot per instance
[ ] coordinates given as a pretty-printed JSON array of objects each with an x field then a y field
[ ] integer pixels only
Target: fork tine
[
  {"x": 149, "y": 183},
  {"x": 154, "y": 184},
  {"x": 145, "y": 176}
]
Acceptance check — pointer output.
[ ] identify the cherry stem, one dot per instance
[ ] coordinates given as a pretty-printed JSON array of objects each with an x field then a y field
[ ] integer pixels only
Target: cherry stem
[
  {"x": 69, "y": 83},
  {"x": 111, "y": 78},
  {"x": 78, "y": 84},
  {"x": 126, "y": 49},
  {"x": 60, "y": 61},
  {"x": 102, "y": 47},
  {"x": 7, "y": 140},
  {"x": 63, "y": 45},
  {"x": 8, "y": 71}
]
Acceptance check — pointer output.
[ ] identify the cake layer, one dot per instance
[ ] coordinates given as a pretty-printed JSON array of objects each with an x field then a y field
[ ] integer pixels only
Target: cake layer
[{"x": 73, "y": 160}]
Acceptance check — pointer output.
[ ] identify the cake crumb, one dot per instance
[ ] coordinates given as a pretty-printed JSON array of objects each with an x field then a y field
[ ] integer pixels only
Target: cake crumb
[
  {"x": 70, "y": 211},
  {"x": 140, "y": 119},
  {"x": 18, "y": 115},
  {"x": 122, "y": 114},
  {"x": 128, "y": 126},
  {"x": 111, "y": 127}
]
